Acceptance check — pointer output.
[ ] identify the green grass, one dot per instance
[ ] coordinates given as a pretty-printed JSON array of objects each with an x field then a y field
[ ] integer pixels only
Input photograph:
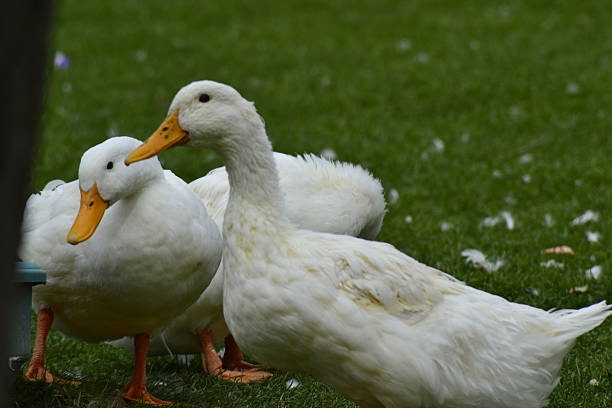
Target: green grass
[{"x": 377, "y": 81}]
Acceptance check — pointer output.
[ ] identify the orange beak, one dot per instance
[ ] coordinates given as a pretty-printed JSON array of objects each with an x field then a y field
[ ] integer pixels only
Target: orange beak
[
  {"x": 89, "y": 216},
  {"x": 167, "y": 135}
]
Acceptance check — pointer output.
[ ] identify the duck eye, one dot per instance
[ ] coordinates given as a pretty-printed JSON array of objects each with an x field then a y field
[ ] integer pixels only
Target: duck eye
[
  {"x": 109, "y": 165},
  {"x": 204, "y": 98}
]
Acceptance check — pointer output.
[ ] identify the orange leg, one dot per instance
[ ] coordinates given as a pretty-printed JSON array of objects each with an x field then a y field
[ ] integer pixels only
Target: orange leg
[
  {"x": 136, "y": 389},
  {"x": 211, "y": 363},
  {"x": 36, "y": 369},
  {"x": 233, "y": 357}
]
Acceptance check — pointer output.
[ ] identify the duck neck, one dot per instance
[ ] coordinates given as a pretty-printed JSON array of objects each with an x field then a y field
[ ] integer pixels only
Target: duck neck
[{"x": 252, "y": 173}]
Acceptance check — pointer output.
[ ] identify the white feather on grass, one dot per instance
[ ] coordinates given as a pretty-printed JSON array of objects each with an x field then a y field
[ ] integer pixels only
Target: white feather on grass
[
  {"x": 292, "y": 383},
  {"x": 551, "y": 263},
  {"x": 493, "y": 221},
  {"x": 589, "y": 215},
  {"x": 510, "y": 200},
  {"x": 490, "y": 221},
  {"x": 579, "y": 289},
  {"x": 393, "y": 196},
  {"x": 445, "y": 226},
  {"x": 549, "y": 221},
  {"x": 526, "y": 158},
  {"x": 479, "y": 260},
  {"x": 508, "y": 218},
  {"x": 572, "y": 88},
  {"x": 593, "y": 236},
  {"x": 593, "y": 272}
]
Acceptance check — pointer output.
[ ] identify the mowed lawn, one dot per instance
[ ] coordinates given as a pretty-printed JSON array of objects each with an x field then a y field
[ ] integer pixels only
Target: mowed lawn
[{"x": 462, "y": 109}]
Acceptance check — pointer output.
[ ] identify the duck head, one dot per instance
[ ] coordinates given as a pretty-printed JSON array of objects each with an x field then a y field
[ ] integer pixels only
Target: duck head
[
  {"x": 203, "y": 114},
  {"x": 104, "y": 179}
]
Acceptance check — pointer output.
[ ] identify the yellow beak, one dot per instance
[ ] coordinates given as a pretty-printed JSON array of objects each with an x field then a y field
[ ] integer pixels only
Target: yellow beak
[
  {"x": 167, "y": 135},
  {"x": 89, "y": 216}
]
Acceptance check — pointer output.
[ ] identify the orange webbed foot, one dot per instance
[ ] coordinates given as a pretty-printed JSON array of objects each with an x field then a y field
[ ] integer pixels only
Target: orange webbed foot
[
  {"x": 137, "y": 393},
  {"x": 136, "y": 389},
  {"x": 212, "y": 364},
  {"x": 243, "y": 377},
  {"x": 39, "y": 373}
]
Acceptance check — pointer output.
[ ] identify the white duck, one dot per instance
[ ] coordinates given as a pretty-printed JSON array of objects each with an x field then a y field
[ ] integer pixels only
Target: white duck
[
  {"x": 154, "y": 251},
  {"x": 321, "y": 195},
  {"x": 380, "y": 327}
]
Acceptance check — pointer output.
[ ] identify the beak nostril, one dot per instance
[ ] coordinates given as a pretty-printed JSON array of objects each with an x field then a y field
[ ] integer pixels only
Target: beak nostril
[
  {"x": 165, "y": 128},
  {"x": 91, "y": 204}
]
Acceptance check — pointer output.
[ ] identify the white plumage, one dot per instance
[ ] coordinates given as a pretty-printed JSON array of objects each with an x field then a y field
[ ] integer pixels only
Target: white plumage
[
  {"x": 109, "y": 286},
  {"x": 380, "y": 327},
  {"x": 321, "y": 195},
  {"x": 153, "y": 253}
]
